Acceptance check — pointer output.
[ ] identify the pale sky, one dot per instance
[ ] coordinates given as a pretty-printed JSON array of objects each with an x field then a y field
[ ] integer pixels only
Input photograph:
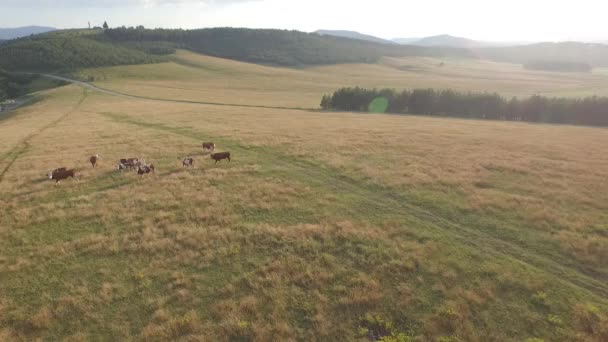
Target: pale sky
[{"x": 493, "y": 20}]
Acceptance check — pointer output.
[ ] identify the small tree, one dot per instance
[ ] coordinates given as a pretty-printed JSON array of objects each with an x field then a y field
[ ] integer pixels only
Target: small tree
[{"x": 105, "y": 25}]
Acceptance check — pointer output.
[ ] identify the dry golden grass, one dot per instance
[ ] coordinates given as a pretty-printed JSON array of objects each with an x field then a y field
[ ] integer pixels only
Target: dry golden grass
[
  {"x": 194, "y": 77},
  {"x": 440, "y": 228}
]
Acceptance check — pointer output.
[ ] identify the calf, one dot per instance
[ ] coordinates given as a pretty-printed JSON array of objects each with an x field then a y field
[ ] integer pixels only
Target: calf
[
  {"x": 220, "y": 156},
  {"x": 188, "y": 162},
  {"x": 61, "y": 174},
  {"x": 94, "y": 160},
  {"x": 144, "y": 169},
  {"x": 209, "y": 146}
]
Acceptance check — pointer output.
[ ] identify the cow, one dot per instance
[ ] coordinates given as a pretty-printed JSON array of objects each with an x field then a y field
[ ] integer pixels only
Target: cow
[
  {"x": 220, "y": 156},
  {"x": 61, "y": 174},
  {"x": 208, "y": 146},
  {"x": 59, "y": 169},
  {"x": 129, "y": 163},
  {"x": 145, "y": 169},
  {"x": 187, "y": 162},
  {"x": 94, "y": 160}
]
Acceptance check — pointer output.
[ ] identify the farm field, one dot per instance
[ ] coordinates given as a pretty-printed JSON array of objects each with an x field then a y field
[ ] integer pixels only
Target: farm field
[
  {"x": 194, "y": 77},
  {"x": 325, "y": 226}
]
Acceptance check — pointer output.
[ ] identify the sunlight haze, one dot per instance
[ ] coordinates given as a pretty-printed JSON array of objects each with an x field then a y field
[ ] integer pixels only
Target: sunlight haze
[{"x": 516, "y": 20}]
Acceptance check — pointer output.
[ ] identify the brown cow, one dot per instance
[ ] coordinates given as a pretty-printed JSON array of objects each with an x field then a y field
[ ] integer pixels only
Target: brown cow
[
  {"x": 145, "y": 169},
  {"x": 61, "y": 174},
  {"x": 94, "y": 160},
  {"x": 208, "y": 146},
  {"x": 188, "y": 162},
  {"x": 220, "y": 156}
]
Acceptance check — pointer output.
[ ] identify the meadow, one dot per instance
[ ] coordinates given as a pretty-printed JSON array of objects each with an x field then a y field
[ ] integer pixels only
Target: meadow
[
  {"x": 325, "y": 226},
  {"x": 194, "y": 77}
]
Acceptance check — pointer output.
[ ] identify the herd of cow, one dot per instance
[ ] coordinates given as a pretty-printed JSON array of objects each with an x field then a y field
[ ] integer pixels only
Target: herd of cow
[{"x": 142, "y": 168}]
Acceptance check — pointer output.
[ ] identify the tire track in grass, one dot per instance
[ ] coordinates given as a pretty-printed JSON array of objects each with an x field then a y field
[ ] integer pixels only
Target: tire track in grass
[
  {"x": 24, "y": 145},
  {"x": 382, "y": 202}
]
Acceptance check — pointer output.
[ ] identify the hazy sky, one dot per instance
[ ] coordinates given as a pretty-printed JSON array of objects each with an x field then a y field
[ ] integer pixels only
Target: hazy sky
[{"x": 512, "y": 20}]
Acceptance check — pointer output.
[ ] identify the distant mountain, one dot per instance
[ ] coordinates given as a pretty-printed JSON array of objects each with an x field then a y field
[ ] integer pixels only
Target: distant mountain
[
  {"x": 18, "y": 32},
  {"x": 595, "y": 55},
  {"x": 445, "y": 40},
  {"x": 2, "y": 41},
  {"x": 353, "y": 35},
  {"x": 406, "y": 41}
]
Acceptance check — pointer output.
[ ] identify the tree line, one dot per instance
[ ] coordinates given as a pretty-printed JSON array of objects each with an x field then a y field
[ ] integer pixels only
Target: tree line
[
  {"x": 591, "y": 111},
  {"x": 272, "y": 46}
]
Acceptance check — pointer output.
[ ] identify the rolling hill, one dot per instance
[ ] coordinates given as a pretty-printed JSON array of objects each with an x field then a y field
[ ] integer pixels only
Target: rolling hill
[
  {"x": 72, "y": 49},
  {"x": 279, "y": 47},
  {"x": 18, "y": 32},
  {"x": 353, "y": 35},
  {"x": 446, "y": 40},
  {"x": 406, "y": 41},
  {"x": 595, "y": 55}
]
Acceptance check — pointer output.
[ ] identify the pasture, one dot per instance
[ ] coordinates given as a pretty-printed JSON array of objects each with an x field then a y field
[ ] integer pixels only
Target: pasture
[
  {"x": 194, "y": 77},
  {"x": 324, "y": 226}
]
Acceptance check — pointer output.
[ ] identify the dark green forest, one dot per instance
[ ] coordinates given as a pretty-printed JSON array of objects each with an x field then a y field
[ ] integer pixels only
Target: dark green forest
[
  {"x": 68, "y": 50},
  {"x": 73, "y": 49},
  {"x": 14, "y": 85},
  {"x": 269, "y": 46},
  {"x": 591, "y": 111}
]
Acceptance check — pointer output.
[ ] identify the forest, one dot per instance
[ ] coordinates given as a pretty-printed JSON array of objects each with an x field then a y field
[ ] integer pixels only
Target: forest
[
  {"x": 270, "y": 46},
  {"x": 590, "y": 111},
  {"x": 67, "y": 50},
  {"x": 13, "y": 85}
]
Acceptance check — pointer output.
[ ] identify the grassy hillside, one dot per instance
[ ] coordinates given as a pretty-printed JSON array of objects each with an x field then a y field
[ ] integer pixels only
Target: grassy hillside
[
  {"x": 67, "y": 50},
  {"x": 323, "y": 227},
  {"x": 195, "y": 77}
]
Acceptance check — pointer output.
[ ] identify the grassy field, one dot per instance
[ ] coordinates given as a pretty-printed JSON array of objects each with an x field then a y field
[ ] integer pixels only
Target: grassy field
[
  {"x": 194, "y": 77},
  {"x": 325, "y": 226}
]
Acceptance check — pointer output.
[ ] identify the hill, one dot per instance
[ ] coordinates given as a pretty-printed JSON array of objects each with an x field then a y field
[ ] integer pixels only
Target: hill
[
  {"x": 448, "y": 41},
  {"x": 353, "y": 35},
  {"x": 67, "y": 50},
  {"x": 406, "y": 41},
  {"x": 72, "y": 49},
  {"x": 595, "y": 55},
  {"x": 18, "y": 32},
  {"x": 279, "y": 47}
]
